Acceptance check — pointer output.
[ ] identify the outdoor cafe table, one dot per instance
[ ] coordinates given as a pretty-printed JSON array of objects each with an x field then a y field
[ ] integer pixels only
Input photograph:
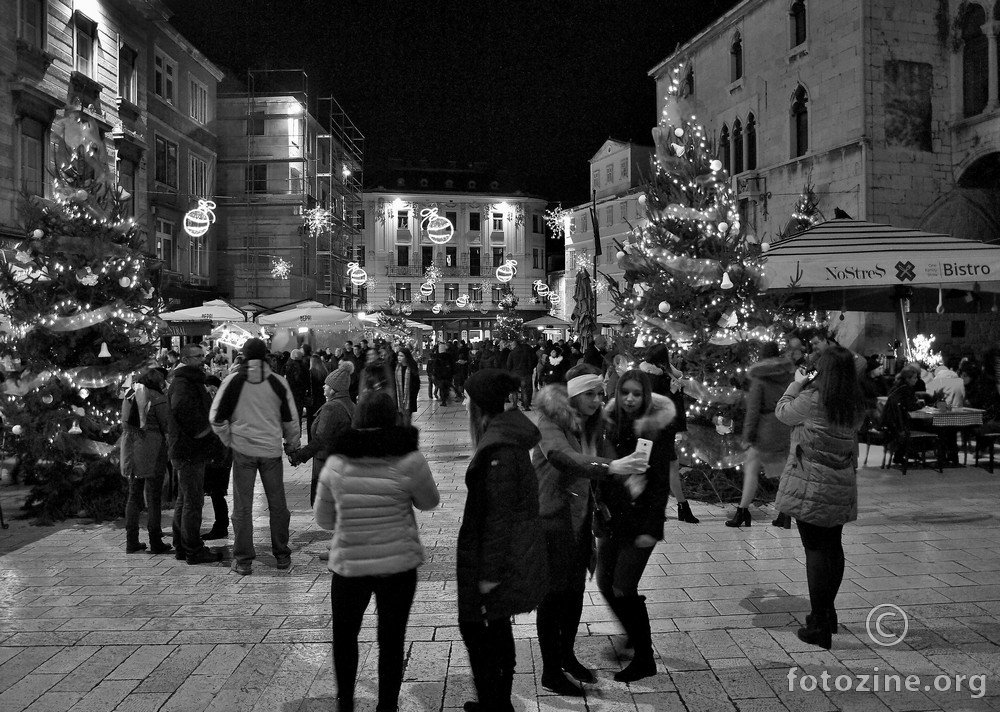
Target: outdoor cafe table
[{"x": 948, "y": 423}]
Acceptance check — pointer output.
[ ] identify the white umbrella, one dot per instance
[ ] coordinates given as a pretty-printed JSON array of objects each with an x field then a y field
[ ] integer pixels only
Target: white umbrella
[
  {"x": 217, "y": 310},
  {"x": 313, "y": 315},
  {"x": 548, "y": 322},
  {"x": 372, "y": 319}
]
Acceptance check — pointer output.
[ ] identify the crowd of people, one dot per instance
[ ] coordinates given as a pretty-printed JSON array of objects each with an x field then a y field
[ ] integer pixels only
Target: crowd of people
[{"x": 582, "y": 486}]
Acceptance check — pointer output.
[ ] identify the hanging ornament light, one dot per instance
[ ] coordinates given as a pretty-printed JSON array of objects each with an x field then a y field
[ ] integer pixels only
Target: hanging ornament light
[
  {"x": 356, "y": 273},
  {"x": 427, "y": 289},
  {"x": 104, "y": 353},
  {"x": 197, "y": 220},
  {"x": 727, "y": 282},
  {"x": 75, "y": 430},
  {"x": 439, "y": 229},
  {"x": 664, "y": 307},
  {"x": 507, "y": 270},
  {"x": 436, "y": 309}
]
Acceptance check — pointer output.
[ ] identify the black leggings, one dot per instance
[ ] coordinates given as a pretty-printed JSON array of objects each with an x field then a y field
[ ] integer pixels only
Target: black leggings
[
  {"x": 620, "y": 564},
  {"x": 824, "y": 564},
  {"x": 349, "y": 597},
  {"x": 491, "y": 657}
]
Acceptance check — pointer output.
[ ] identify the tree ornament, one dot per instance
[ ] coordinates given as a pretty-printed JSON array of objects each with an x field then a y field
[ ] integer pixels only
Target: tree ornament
[
  {"x": 679, "y": 132},
  {"x": 197, "y": 220},
  {"x": 727, "y": 282},
  {"x": 507, "y": 270},
  {"x": 619, "y": 254},
  {"x": 105, "y": 353},
  {"x": 765, "y": 246},
  {"x": 439, "y": 229},
  {"x": 47, "y": 399},
  {"x": 723, "y": 227},
  {"x": 642, "y": 201},
  {"x": 715, "y": 165},
  {"x": 81, "y": 195},
  {"x": 125, "y": 282},
  {"x": 84, "y": 393},
  {"x": 38, "y": 233},
  {"x": 664, "y": 307},
  {"x": 75, "y": 430},
  {"x": 940, "y": 304},
  {"x": 17, "y": 430}
]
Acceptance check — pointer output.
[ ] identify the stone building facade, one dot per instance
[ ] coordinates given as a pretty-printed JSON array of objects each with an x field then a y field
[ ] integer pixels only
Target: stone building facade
[{"x": 492, "y": 225}]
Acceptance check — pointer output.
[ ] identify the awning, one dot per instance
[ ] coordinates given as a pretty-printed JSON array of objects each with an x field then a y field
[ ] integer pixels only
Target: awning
[
  {"x": 216, "y": 310},
  {"x": 547, "y": 322},
  {"x": 853, "y": 254}
]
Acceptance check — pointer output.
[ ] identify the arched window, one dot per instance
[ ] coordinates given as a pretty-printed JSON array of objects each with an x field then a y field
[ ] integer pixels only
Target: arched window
[
  {"x": 975, "y": 62},
  {"x": 797, "y": 22},
  {"x": 751, "y": 141},
  {"x": 736, "y": 58},
  {"x": 800, "y": 122},
  {"x": 737, "y": 147},
  {"x": 725, "y": 153},
  {"x": 688, "y": 86}
]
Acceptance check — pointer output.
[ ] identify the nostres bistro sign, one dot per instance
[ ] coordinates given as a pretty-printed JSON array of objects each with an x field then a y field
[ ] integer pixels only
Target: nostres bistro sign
[{"x": 904, "y": 271}]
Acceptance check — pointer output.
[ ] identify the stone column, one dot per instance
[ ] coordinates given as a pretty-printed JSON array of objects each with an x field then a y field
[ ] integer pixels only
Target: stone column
[{"x": 990, "y": 30}]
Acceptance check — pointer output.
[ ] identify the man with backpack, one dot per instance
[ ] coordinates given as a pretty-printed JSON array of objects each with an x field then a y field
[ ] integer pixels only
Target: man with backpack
[{"x": 252, "y": 412}]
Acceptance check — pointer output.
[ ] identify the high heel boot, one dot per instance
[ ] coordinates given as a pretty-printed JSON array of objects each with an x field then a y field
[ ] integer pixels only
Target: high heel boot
[
  {"x": 635, "y": 619},
  {"x": 782, "y": 521},
  {"x": 742, "y": 517},
  {"x": 685, "y": 515},
  {"x": 816, "y": 631}
]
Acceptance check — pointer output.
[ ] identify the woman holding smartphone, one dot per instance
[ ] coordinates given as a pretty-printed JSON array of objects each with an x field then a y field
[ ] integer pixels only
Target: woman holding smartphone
[{"x": 628, "y": 520}]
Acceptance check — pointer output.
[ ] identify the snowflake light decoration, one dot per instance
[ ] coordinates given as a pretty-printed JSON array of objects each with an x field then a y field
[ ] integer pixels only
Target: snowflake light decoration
[
  {"x": 560, "y": 222},
  {"x": 318, "y": 220},
  {"x": 600, "y": 286},
  {"x": 280, "y": 269},
  {"x": 486, "y": 285},
  {"x": 433, "y": 273}
]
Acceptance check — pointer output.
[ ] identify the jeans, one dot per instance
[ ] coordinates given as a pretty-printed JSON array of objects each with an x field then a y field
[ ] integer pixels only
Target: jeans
[
  {"x": 444, "y": 388},
  {"x": 152, "y": 486},
  {"x": 245, "y": 469},
  {"x": 525, "y": 390},
  {"x": 620, "y": 564},
  {"x": 187, "y": 508},
  {"x": 824, "y": 564},
  {"x": 349, "y": 597}
]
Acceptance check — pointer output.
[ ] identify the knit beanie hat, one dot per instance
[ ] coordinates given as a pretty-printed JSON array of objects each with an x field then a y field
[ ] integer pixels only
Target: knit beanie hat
[
  {"x": 254, "y": 349},
  {"x": 490, "y": 387},
  {"x": 340, "y": 380}
]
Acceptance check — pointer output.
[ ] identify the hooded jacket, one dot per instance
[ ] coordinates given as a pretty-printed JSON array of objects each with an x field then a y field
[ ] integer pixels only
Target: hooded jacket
[
  {"x": 819, "y": 483},
  {"x": 189, "y": 436},
  {"x": 330, "y": 422},
  {"x": 564, "y": 470},
  {"x": 617, "y": 514},
  {"x": 769, "y": 378},
  {"x": 366, "y": 495},
  {"x": 256, "y": 426},
  {"x": 145, "y": 420},
  {"x": 501, "y": 538}
]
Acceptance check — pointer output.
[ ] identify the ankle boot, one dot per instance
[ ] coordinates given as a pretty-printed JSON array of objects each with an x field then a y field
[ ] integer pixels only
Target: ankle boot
[
  {"x": 158, "y": 546},
  {"x": 132, "y": 543},
  {"x": 741, "y": 518},
  {"x": 685, "y": 515},
  {"x": 577, "y": 669},
  {"x": 816, "y": 631},
  {"x": 636, "y": 622},
  {"x": 569, "y": 622},
  {"x": 547, "y": 626},
  {"x": 782, "y": 521},
  {"x": 831, "y": 619}
]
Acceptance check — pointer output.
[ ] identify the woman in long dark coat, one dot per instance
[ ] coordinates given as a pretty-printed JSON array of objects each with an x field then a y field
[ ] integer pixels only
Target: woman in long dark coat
[
  {"x": 501, "y": 545},
  {"x": 407, "y": 375}
]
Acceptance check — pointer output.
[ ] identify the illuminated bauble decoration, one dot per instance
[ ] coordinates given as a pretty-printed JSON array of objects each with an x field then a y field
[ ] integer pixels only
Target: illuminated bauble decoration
[
  {"x": 407, "y": 309},
  {"x": 356, "y": 273},
  {"x": 81, "y": 195},
  {"x": 765, "y": 246},
  {"x": 726, "y": 283},
  {"x": 439, "y": 229},
  {"x": 642, "y": 201},
  {"x": 436, "y": 309},
  {"x": 619, "y": 255},
  {"x": 507, "y": 270},
  {"x": 541, "y": 288},
  {"x": 723, "y": 227},
  {"x": 105, "y": 353},
  {"x": 427, "y": 289},
  {"x": 715, "y": 165},
  {"x": 84, "y": 393},
  {"x": 679, "y": 132},
  {"x": 17, "y": 430},
  {"x": 554, "y": 299},
  {"x": 38, "y": 234},
  {"x": 47, "y": 399},
  {"x": 197, "y": 220},
  {"x": 125, "y": 282},
  {"x": 664, "y": 307},
  {"x": 462, "y": 301}
]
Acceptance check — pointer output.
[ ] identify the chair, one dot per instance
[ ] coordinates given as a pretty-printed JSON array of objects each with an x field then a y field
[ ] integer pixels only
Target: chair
[
  {"x": 988, "y": 441},
  {"x": 872, "y": 433},
  {"x": 903, "y": 442}
]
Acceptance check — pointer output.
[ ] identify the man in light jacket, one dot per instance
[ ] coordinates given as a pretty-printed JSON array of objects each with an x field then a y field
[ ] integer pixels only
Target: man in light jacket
[{"x": 252, "y": 412}]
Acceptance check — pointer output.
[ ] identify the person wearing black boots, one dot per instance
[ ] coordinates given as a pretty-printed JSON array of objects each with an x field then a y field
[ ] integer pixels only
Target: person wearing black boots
[
  {"x": 501, "y": 562},
  {"x": 628, "y": 523},
  {"x": 669, "y": 381},
  {"x": 819, "y": 483},
  {"x": 572, "y": 454},
  {"x": 217, "y": 472},
  {"x": 765, "y": 438}
]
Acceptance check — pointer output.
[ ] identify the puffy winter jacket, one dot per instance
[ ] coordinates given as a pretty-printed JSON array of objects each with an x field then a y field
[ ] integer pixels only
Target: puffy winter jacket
[
  {"x": 761, "y": 428},
  {"x": 259, "y": 421}
]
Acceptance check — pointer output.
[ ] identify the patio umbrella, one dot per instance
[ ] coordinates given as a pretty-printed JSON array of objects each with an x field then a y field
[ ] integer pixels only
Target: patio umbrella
[
  {"x": 548, "y": 322},
  {"x": 216, "y": 310},
  {"x": 372, "y": 320},
  {"x": 583, "y": 313},
  {"x": 314, "y": 316}
]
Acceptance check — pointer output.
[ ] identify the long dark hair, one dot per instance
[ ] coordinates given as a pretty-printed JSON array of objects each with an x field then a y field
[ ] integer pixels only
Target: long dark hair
[
  {"x": 376, "y": 409},
  {"x": 621, "y": 426},
  {"x": 591, "y": 427},
  {"x": 407, "y": 358},
  {"x": 837, "y": 383}
]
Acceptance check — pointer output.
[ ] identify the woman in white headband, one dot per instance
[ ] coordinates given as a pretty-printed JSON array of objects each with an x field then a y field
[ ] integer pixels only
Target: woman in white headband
[{"x": 570, "y": 455}]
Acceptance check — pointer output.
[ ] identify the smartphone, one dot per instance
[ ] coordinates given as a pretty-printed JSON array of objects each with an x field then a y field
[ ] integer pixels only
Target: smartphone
[{"x": 644, "y": 447}]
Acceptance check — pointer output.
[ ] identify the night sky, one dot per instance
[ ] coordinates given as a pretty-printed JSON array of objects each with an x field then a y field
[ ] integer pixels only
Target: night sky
[{"x": 531, "y": 87}]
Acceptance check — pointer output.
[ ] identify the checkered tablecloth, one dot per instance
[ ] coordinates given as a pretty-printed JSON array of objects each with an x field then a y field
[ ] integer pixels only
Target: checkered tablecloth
[{"x": 954, "y": 418}]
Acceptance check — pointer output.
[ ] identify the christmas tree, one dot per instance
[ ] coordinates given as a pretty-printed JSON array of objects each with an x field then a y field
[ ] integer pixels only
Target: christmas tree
[
  {"x": 82, "y": 319},
  {"x": 509, "y": 323},
  {"x": 692, "y": 281},
  {"x": 805, "y": 214}
]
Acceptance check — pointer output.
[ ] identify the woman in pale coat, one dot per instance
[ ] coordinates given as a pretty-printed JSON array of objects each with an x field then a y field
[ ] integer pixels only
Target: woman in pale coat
[
  {"x": 819, "y": 483},
  {"x": 368, "y": 488}
]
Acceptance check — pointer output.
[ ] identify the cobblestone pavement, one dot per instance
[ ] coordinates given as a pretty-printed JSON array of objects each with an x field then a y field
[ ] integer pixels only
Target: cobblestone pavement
[{"x": 87, "y": 627}]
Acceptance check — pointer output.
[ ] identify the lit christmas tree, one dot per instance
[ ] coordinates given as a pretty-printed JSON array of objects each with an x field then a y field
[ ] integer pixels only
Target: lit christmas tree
[
  {"x": 509, "y": 323},
  {"x": 805, "y": 214},
  {"x": 692, "y": 282},
  {"x": 81, "y": 309}
]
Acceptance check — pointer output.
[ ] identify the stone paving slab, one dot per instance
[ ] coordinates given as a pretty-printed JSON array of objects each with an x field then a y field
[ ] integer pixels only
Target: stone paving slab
[{"x": 83, "y": 626}]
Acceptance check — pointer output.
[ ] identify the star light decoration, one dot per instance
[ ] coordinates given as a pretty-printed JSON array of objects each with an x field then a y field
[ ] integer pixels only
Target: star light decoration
[
  {"x": 318, "y": 220},
  {"x": 560, "y": 222},
  {"x": 280, "y": 268}
]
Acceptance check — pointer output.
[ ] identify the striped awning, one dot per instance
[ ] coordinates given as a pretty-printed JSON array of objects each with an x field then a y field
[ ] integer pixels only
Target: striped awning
[{"x": 849, "y": 254}]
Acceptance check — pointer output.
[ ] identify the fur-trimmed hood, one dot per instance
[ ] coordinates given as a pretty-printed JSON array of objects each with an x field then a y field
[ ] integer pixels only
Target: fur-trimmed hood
[
  {"x": 654, "y": 422},
  {"x": 553, "y": 402},
  {"x": 777, "y": 367},
  {"x": 396, "y": 441}
]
